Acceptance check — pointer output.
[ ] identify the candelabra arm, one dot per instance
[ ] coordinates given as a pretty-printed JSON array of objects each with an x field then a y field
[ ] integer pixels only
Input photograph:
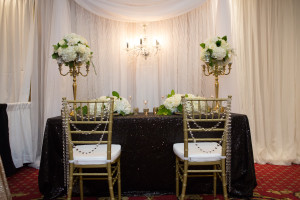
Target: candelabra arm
[
  {"x": 204, "y": 71},
  {"x": 87, "y": 71},
  {"x": 60, "y": 70},
  {"x": 229, "y": 69}
]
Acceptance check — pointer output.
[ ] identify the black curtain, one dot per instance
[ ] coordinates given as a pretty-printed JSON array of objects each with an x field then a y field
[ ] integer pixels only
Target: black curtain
[{"x": 5, "y": 151}]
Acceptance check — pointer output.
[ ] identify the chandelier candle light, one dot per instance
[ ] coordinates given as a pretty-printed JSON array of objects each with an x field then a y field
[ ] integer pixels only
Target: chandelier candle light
[
  {"x": 216, "y": 54},
  {"x": 144, "y": 48},
  {"x": 73, "y": 51}
]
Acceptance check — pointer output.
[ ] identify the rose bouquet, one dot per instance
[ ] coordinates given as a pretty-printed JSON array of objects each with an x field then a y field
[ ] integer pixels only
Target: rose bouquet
[
  {"x": 72, "y": 50},
  {"x": 173, "y": 104},
  {"x": 216, "y": 51},
  {"x": 121, "y": 104}
]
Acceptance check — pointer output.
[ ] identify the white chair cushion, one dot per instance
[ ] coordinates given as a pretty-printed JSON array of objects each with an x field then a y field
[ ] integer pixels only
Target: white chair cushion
[
  {"x": 97, "y": 157},
  {"x": 196, "y": 155}
]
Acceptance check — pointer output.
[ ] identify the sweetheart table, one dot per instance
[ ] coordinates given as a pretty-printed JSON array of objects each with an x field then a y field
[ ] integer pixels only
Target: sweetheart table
[{"x": 147, "y": 158}]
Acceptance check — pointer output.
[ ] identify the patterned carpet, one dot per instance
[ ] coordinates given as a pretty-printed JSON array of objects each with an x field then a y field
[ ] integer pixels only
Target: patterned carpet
[{"x": 273, "y": 182}]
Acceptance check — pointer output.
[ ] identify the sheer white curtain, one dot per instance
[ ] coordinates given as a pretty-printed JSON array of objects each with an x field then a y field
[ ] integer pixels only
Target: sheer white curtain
[
  {"x": 139, "y": 11},
  {"x": 23, "y": 143},
  {"x": 266, "y": 38},
  {"x": 176, "y": 67},
  {"x": 18, "y": 28}
]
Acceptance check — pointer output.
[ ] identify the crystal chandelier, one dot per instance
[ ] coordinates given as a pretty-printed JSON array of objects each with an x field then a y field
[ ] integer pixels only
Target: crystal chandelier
[{"x": 144, "y": 48}]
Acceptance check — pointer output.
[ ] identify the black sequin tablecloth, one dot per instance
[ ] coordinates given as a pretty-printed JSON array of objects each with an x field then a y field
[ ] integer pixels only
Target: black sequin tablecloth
[{"x": 147, "y": 158}]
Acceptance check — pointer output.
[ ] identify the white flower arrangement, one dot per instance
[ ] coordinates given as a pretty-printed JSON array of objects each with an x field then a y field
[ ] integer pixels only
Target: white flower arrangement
[
  {"x": 173, "y": 104},
  {"x": 72, "y": 50},
  {"x": 216, "y": 51},
  {"x": 121, "y": 105}
]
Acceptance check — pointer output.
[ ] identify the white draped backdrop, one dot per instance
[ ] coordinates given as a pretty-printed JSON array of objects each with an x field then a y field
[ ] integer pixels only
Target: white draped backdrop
[{"x": 263, "y": 81}]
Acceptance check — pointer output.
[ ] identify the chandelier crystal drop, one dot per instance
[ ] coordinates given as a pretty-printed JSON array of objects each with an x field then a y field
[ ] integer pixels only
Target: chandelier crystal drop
[{"x": 144, "y": 48}]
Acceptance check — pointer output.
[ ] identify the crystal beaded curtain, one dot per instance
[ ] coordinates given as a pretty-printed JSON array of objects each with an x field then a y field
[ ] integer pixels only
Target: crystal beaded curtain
[{"x": 176, "y": 67}]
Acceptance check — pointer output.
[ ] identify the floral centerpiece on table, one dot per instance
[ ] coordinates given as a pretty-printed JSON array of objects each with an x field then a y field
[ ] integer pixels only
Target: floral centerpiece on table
[
  {"x": 173, "y": 104},
  {"x": 216, "y": 51},
  {"x": 72, "y": 50},
  {"x": 121, "y": 104}
]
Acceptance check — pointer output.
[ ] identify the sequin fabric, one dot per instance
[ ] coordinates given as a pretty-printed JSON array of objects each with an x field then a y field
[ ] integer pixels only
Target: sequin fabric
[{"x": 147, "y": 158}]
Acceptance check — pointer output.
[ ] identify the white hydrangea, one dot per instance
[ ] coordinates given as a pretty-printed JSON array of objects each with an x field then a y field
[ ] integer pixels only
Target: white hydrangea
[
  {"x": 68, "y": 54},
  {"x": 195, "y": 104},
  {"x": 71, "y": 48},
  {"x": 173, "y": 102},
  {"x": 219, "y": 53},
  {"x": 120, "y": 105},
  {"x": 62, "y": 42}
]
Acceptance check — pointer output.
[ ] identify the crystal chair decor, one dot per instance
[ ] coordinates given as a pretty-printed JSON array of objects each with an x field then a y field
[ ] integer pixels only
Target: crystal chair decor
[
  {"x": 207, "y": 142},
  {"x": 88, "y": 128}
]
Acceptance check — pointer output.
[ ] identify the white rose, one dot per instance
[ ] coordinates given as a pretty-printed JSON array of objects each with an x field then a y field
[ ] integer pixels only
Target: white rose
[
  {"x": 62, "y": 42},
  {"x": 59, "y": 51},
  {"x": 80, "y": 48},
  {"x": 224, "y": 44},
  {"x": 211, "y": 45}
]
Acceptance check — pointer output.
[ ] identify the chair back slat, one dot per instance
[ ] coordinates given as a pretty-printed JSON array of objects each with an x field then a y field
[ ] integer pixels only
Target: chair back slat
[
  {"x": 206, "y": 119},
  {"x": 88, "y": 122}
]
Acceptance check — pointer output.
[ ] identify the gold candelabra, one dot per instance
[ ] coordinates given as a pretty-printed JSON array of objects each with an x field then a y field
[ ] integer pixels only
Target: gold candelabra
[
  {"x": 74, "y": 72},
  {"x": 216, "y": 71}
]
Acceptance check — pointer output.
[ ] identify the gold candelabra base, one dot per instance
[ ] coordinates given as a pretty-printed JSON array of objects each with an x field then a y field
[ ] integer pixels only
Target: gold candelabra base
[
  {"x": 74, "y": 72},
  {"x": 216, "y": 71}
]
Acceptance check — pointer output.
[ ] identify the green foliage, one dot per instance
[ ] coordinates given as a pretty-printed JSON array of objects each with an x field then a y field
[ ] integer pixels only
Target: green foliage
[
  {"x": 218, "y": 43},
  {"x": 162, "y": 110},
  {"x": 70, "y": 64},
  {"x": 210, "y": 51},
  {"x": 172, "y": 93},
  {"x": 115, "y": 94},
  {"x": 122, "y": 113},
  {"x": 226, "y": 56},
  {"x": 179, "y": 108},
  {"x": 64, "y": 46},
  {"x": 56, "y": 46},
  {"x": 224, "y": 38},
  {"x": 84, "y": 110},
  {"x": 55, "y": 55},
  {"x": 202, "y": 45}
]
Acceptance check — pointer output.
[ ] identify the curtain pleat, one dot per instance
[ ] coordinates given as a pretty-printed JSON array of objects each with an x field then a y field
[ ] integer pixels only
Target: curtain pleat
[
  {"x": 265, "y": 36},
  {"x": 177, "y": 66}
]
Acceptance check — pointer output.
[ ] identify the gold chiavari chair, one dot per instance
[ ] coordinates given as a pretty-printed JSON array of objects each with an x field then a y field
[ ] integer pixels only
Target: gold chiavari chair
[
  {"x": 206, "y": 128},
  {"x": 88, "y": 127},
  {"x": 4, "y": 189}
]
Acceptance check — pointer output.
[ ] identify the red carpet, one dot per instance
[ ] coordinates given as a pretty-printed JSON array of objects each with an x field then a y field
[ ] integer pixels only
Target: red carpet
[{"x": 273, "y": 182}]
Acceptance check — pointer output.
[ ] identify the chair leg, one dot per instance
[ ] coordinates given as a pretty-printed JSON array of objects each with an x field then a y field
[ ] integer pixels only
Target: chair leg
[
  {"x": 215, "y": 182},
  {"x": 224, "y": 180},
  {"x": 110, "y": 185},
  {"x": 81, "y": 184},
  {"x": 70, "y": 182},
  {"x": 177, "y": 177},
  {"x": 119, "y": 180},
  {"x": 184, "y": 182}
]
